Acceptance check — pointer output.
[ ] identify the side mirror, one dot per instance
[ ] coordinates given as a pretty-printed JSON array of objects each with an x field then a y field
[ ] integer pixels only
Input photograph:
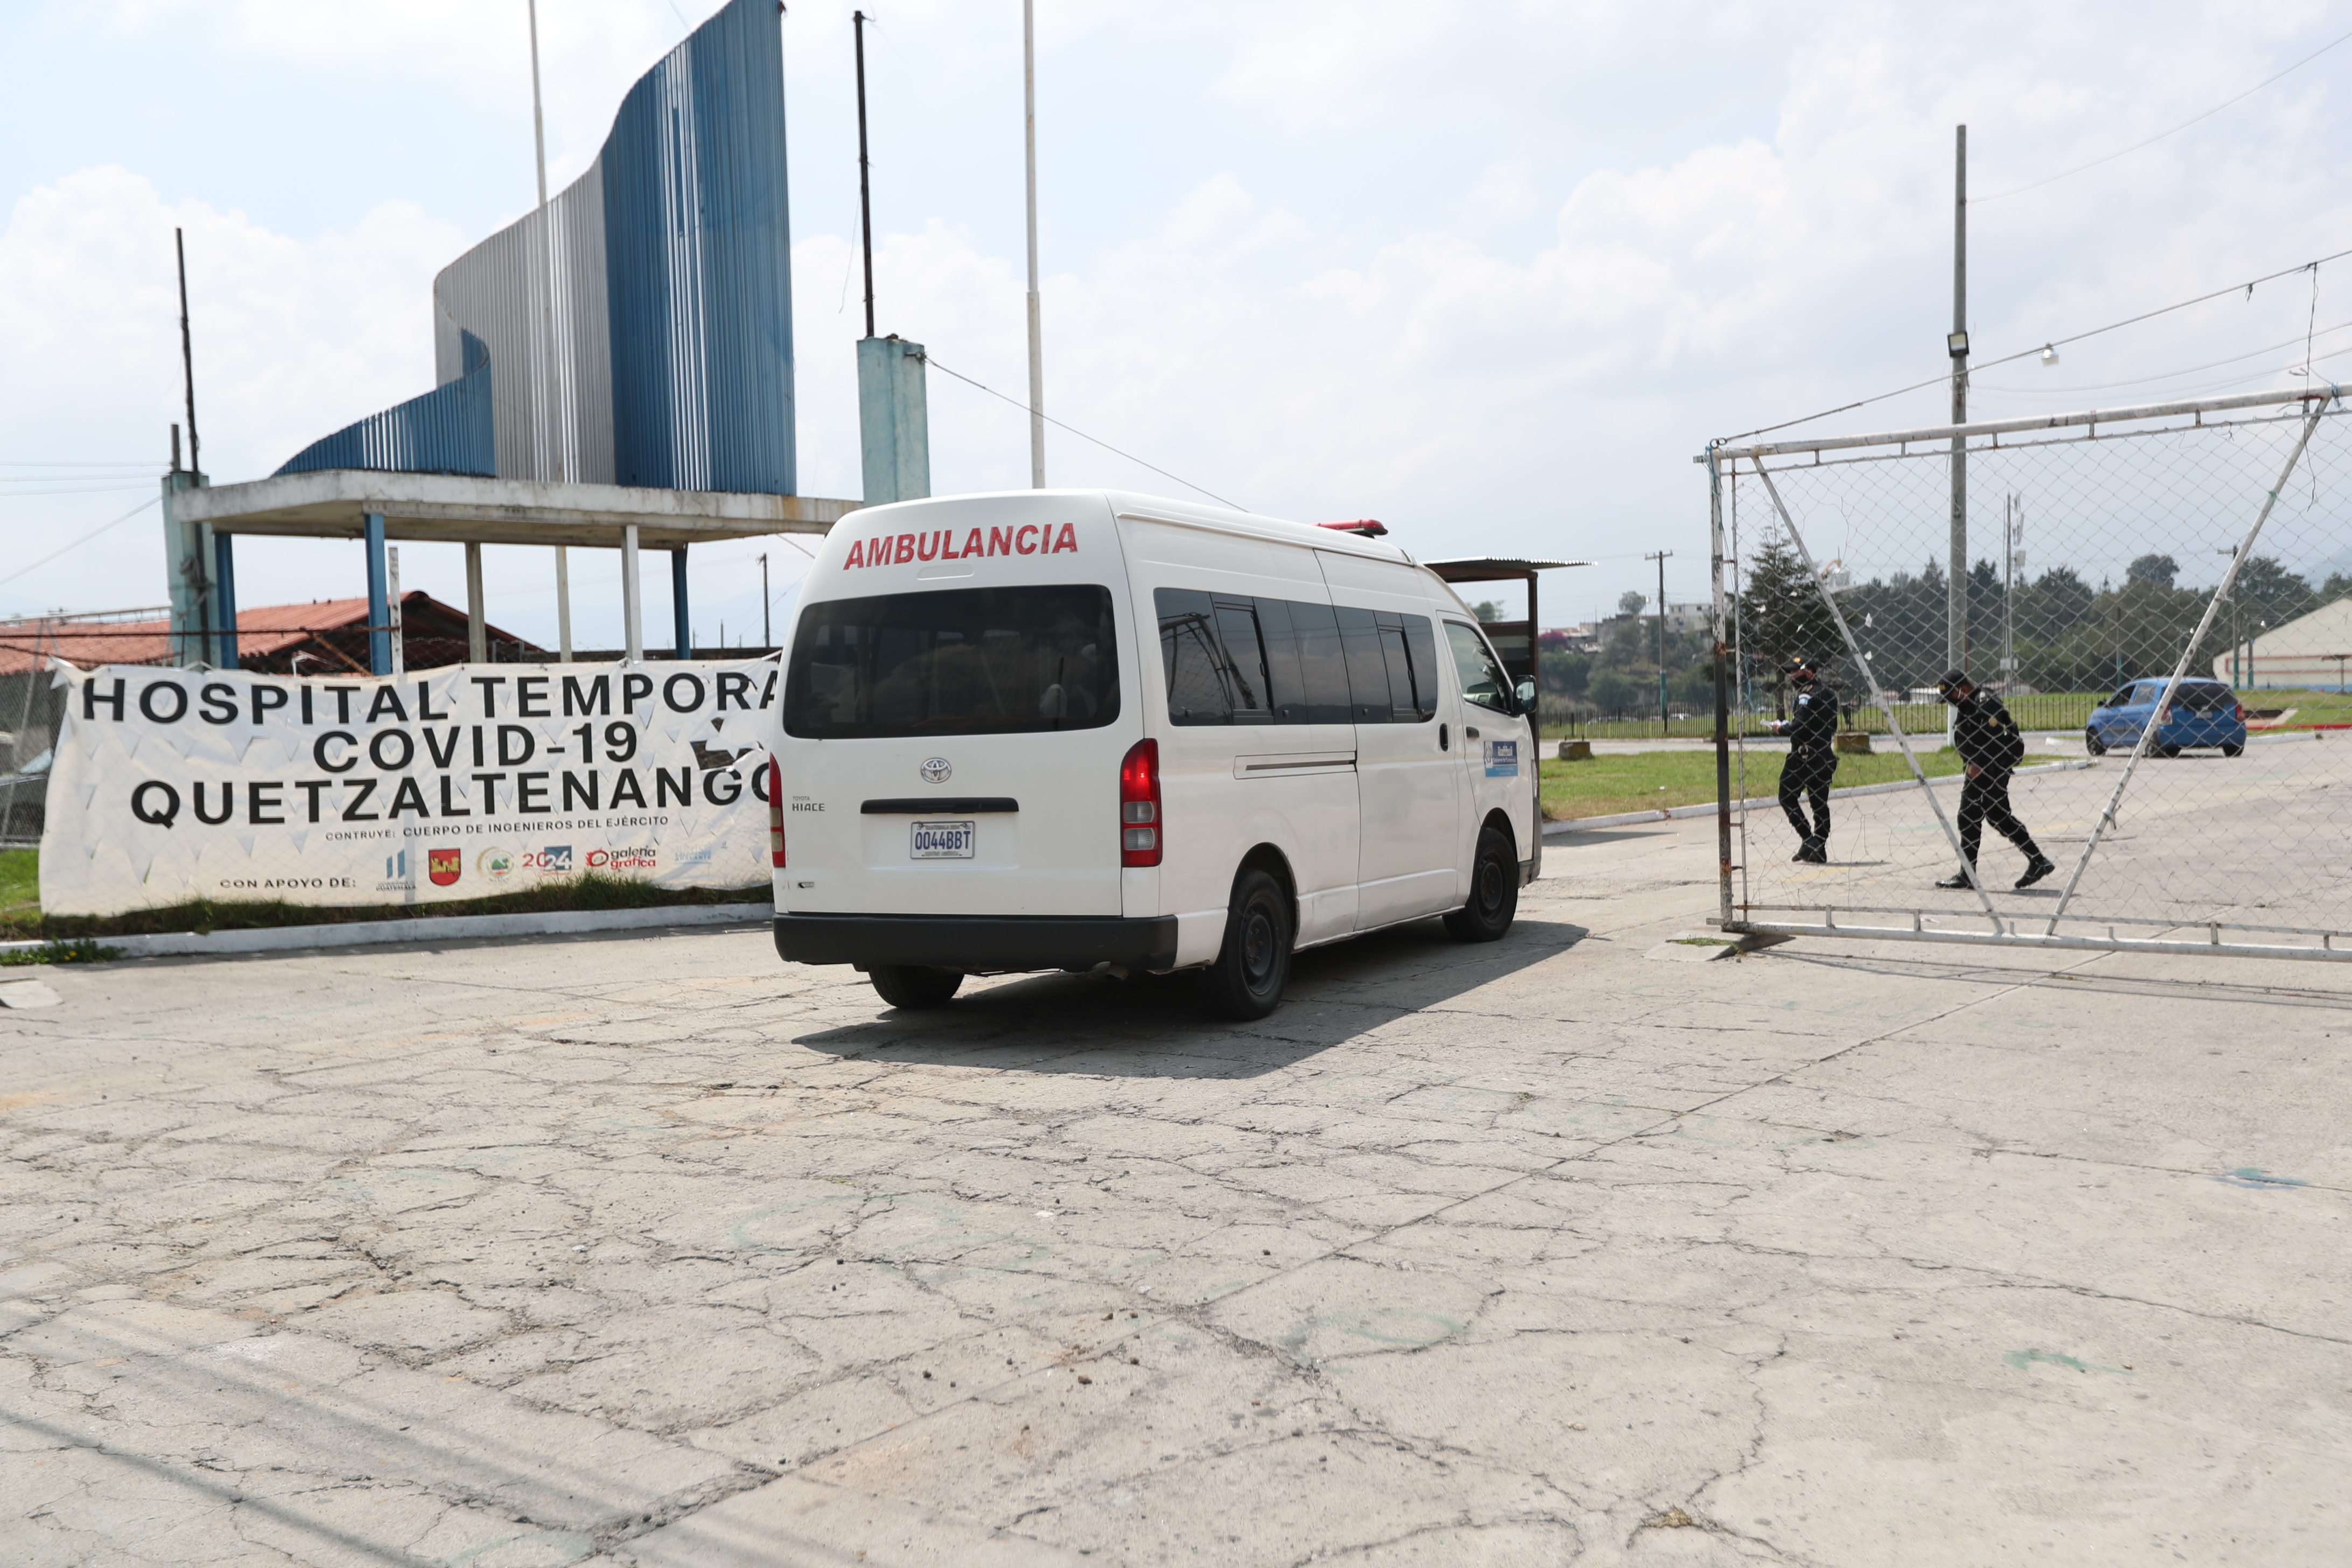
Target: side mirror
[{"x": 1526, "y": 696}]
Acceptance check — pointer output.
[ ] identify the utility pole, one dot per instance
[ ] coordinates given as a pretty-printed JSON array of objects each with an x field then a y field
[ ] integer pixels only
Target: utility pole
[
  {"x": 188, "y": 547},
  {"x": 1956, "y": 628},
  {"x": 546, "y": 358},
  {"x": 1660, "y": 557},
  {"x": 1036, "y": 339},
  {"x": 187, "y": 354},
  {"x": 767, "y": 632},
  {"x": 865, "y": 195}
]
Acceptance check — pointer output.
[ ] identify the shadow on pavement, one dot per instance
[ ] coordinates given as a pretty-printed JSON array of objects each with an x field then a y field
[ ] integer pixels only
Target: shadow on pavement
[{"x": 1152, "y": 1025}]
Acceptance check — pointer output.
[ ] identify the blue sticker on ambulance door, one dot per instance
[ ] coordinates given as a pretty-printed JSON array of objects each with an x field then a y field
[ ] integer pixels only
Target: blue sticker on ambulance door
[{"x": 1502, "y": 759}]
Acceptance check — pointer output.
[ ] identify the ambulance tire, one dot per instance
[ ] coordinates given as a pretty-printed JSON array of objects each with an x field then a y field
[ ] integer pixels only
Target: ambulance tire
[
  {"x": 1252, "y": 965},
  {"x": 912, "y": 987},
  {"x": 1493, "y": 900}
]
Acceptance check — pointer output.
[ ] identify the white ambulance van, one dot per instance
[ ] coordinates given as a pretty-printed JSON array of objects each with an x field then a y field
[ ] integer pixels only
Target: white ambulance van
[{"x": 1057, "y": 729}]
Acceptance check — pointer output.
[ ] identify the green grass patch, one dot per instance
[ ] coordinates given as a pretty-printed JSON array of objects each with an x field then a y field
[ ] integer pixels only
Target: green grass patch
[
  {"x": 84, "y": 951},
  {"x": 20, "y": 890},
  {"x": 1654, "y": 781},
  {"x": 21, "y": 919},
  {"x": 2044, "y": 710},
  {"x": 2311, "y": 708}
]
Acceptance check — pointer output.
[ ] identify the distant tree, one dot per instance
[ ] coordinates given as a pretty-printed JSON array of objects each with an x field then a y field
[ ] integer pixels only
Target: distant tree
[
  {"x": 2278, "y": 594},
  {"x": 2159, "y": 570},
  {"x": 1783, "y": 615},
  {"x": 2053, "y": 604},
  {"x": 1630, "y": 644},
  {"x": 1612, "y": 693},
  {"x": 1630, "y": 602},
  {"x": 2337, "y": 586},
  {"x": 1487, "y": 610},
  {"x": 1564, "y": 673}
]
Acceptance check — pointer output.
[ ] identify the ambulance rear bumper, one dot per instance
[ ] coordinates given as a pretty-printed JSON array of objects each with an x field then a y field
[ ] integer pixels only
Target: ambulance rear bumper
[{"x": 977, "y": 943}]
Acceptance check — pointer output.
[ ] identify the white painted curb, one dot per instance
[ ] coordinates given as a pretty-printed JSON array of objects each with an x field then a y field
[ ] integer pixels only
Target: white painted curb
[
  {"x": 431, "y": 927},
  {"x": 1707, "y": 808}
]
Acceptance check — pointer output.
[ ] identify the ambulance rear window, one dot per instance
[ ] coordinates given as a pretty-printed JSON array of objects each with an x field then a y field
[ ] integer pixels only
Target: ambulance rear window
[{"x": 959, "y": 661}]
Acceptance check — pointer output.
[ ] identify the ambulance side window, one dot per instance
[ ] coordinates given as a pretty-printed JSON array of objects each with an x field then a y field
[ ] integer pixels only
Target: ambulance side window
[
  {"x": 1193, "y": 657},
  {"x": 1368, "y": 665},
  {"x": 1412, "y": 655},
  {"x": 1483, "y": 681},
  {"x": 1322, "y": 695},
  {"x": 1237, "y": 627}
]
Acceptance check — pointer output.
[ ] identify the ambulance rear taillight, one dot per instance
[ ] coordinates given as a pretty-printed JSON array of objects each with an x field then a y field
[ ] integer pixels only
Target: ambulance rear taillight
[
  {"x": 775, "y": 814},
  {"x": 1138, "y": 805}
]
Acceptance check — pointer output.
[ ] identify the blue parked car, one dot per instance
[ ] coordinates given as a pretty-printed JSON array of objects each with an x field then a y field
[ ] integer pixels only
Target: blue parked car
[{"x": 2203, "y": 713}]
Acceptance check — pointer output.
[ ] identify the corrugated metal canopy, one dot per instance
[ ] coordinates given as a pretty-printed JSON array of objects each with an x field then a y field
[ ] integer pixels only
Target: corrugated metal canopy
[
  {"x": 1494, "y": 568},
  {"x": 331, "y": 503}
]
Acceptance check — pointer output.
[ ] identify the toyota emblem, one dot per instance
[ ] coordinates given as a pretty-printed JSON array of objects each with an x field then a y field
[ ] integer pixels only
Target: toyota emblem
[{"x": 936, "y": 770}]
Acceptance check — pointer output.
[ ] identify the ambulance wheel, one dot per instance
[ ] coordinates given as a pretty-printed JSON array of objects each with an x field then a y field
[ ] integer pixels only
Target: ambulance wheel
[
  {"x": 912, "y": 987},
  {"x": 1254, "y": 965},
  {"x": 1494, "y": 892}
]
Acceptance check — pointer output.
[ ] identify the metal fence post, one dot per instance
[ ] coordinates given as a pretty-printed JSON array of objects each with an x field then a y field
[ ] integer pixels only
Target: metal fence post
[{"x": 1722, "y": 687}]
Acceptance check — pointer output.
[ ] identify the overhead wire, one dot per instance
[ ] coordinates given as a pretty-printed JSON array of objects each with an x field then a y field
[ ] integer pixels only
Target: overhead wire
[
  {"x": 2111, "y": 157},
  {"x": 1082, "y": 436},
  {"x": 78, "y": 491},
  {"x": 84, "y": 539},
  {"x": 2069, "y": 392},
  {"x": 1944, "y": 379}
]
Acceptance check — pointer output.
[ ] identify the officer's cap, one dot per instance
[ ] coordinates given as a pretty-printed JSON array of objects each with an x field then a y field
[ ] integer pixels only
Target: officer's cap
[{"x": 1953, "y": 680}]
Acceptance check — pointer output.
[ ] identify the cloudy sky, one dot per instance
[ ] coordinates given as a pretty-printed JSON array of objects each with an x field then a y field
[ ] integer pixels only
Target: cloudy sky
[{"x": 1489, "y": 271}]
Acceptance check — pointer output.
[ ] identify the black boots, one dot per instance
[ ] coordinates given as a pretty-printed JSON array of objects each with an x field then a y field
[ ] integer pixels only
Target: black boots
[
  {"x": 1811, "y": 852},
  {"x": 2038, "y": 867}
]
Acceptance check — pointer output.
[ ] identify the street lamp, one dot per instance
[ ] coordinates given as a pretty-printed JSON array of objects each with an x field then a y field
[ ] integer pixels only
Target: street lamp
[{"x": 1957, "y": 344}]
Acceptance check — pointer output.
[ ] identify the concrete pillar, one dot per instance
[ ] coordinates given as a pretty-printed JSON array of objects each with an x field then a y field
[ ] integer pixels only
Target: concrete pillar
[
  {"x": 379, "y": 596},
  {"x": 677, "y": 607},
  {"x": 563, "y": 602},
  {"x": 893, "y": 420},
  {"x": 187, "y": 572},
  {"x": 399, "y": 633},
  {"x": 631, "y": 600},
  {"x": 224, "y": 598},
  {"x": 478, "y": 635}
]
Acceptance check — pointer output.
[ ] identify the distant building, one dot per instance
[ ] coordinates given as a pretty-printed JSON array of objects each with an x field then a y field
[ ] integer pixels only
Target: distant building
[
  {"x": 2311, "y": 650},
  {"x": 326, "y": 637}
]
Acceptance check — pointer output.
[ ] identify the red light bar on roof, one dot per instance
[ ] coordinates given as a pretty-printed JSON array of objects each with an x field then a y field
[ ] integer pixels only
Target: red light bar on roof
[{"x": 1369, "y": 527}]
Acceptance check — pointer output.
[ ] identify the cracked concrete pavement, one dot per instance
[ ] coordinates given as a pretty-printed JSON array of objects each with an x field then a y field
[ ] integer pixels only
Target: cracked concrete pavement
[{"x": 652, "y": 1249}]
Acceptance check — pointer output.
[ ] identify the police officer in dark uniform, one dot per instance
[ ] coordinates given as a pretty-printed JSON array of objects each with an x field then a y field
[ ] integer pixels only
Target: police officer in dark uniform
[
  {"x": 1812, "y": 760},
  {"x": 1990, "y": 746}
]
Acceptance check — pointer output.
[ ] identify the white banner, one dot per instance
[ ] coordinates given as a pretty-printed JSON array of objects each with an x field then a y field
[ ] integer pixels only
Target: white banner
[{"x": 449, "y": 783}]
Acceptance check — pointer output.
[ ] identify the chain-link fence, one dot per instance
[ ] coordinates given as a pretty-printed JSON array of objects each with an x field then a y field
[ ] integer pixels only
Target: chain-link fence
[
  {"x": 2153, "y": 610},
  {"x": 30, "y": 712}
]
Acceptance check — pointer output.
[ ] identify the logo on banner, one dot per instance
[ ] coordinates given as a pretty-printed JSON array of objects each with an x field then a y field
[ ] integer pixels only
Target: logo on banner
[
  {"x": 621, "y": 859},
  {"x": 555, "y": 860},
  {"x": 445, "y": 865},
  {"x": 396, "y": 876},
  {"x": 497, "y": 865}
]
